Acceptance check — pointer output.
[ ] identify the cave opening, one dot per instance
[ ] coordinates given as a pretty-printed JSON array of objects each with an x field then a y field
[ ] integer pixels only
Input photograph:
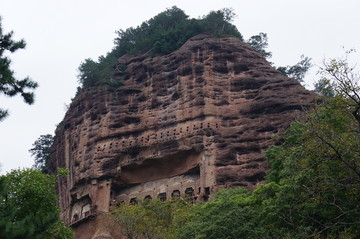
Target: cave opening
[
  {"x": 175, "y": 194},
  {"x": 162, "y": 197}
]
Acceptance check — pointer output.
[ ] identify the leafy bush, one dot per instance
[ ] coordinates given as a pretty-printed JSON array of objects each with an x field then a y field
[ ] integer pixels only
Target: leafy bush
[{"x": 151, "y": 218}]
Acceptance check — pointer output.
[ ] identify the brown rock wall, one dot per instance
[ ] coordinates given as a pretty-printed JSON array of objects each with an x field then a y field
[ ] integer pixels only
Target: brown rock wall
[{"x": 199, "y": 118}]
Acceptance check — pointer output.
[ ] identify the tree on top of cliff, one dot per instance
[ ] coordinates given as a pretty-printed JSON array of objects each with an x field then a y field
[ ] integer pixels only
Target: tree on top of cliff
[
  {"x": 297, "y": 71},
  {"x": 10, "y": 86},
  {"x": 260, "y": 43},
  {"x": 162, "y": 34}
]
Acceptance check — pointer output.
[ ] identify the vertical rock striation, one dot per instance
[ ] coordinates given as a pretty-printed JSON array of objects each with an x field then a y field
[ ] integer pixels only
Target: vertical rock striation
[{"x": 189, "y": 122}]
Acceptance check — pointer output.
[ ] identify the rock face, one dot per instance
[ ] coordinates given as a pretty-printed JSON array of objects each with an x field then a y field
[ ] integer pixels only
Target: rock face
[{"x": 189, "y": 122}]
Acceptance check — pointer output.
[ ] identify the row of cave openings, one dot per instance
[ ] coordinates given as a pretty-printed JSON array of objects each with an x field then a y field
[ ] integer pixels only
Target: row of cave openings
[
  {"x": 161, "y": 136},
  {"x": 84, "y": 209},
  {"x": 189, "y": 195}
]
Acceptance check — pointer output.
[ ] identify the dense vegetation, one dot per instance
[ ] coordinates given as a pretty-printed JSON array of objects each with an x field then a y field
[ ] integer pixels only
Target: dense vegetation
[
  {"x": 151, "y": 218},
  {"x": 313, "y": 186},
  {"x": 10, "y": 86},
  {"x": 28, "y": 206},
  {"x": 162, "y": 34}
]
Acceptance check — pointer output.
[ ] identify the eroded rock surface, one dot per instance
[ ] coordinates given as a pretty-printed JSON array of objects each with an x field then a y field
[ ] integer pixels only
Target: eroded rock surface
[{"x": 189, "y": 122}]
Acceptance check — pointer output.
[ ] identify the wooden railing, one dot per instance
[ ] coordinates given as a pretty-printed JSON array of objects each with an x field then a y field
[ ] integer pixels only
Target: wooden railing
[{"x": 83, "y": 217}]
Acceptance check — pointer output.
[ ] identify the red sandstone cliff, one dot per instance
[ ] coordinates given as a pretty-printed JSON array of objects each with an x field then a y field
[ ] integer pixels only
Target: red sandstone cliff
[{"x": 189, "y": 122}]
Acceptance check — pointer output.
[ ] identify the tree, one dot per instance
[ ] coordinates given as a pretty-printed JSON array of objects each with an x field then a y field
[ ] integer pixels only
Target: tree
[
  {"x": 28, "y": 206},
  {"x": 162, "y": 34},
  {"x": 88, "y": 73},
  {"x": 318, "y": 169},
  {"x": 344, "y": 81},
  {"x": 42, "y": 151},
  {"x": 233, "y": 213},
  {"x": 297, "y": 71},
  {"x": 151, "y": 218},
  {"x": 218, "y": 23},
  {"x": 323, "y": 87},
  {"x": 260, "y": 43},
  {"x": 10, "y": 86}
]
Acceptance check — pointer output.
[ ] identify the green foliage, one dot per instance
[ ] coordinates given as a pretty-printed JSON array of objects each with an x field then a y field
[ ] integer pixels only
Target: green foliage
[
  {"x": 94, "y": 73},
  {"x": 318, "y": 169},
  {"x": 344, "y": 81},
  {"x": 28, "y": 206},
  {"x": 319, "y": 164},
  {"x": 41, "y": 151},
  {"x": 323, "y": 87},
  {"x": 297, "y": 71},
  {"x": 170, "y": 29},
  {"x": 9, "y": 86},
  {"x": 151, "y": 218},
  {"x": 217, "y": 23},
  {"x": 63, "y": 172},
  {"x": 260, "y": 43},
  {"x": 232, "y": 214},
  {"x": 57, "y": 231},
  {"x": 162, "y": 34}
]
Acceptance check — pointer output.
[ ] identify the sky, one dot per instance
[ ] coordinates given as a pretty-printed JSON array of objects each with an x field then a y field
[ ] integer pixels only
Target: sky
[{"x": 60, "y": 34}]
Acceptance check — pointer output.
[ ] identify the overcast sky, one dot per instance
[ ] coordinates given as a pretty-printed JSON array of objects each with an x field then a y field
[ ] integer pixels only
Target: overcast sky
[{"x": 62, "y": 33}]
